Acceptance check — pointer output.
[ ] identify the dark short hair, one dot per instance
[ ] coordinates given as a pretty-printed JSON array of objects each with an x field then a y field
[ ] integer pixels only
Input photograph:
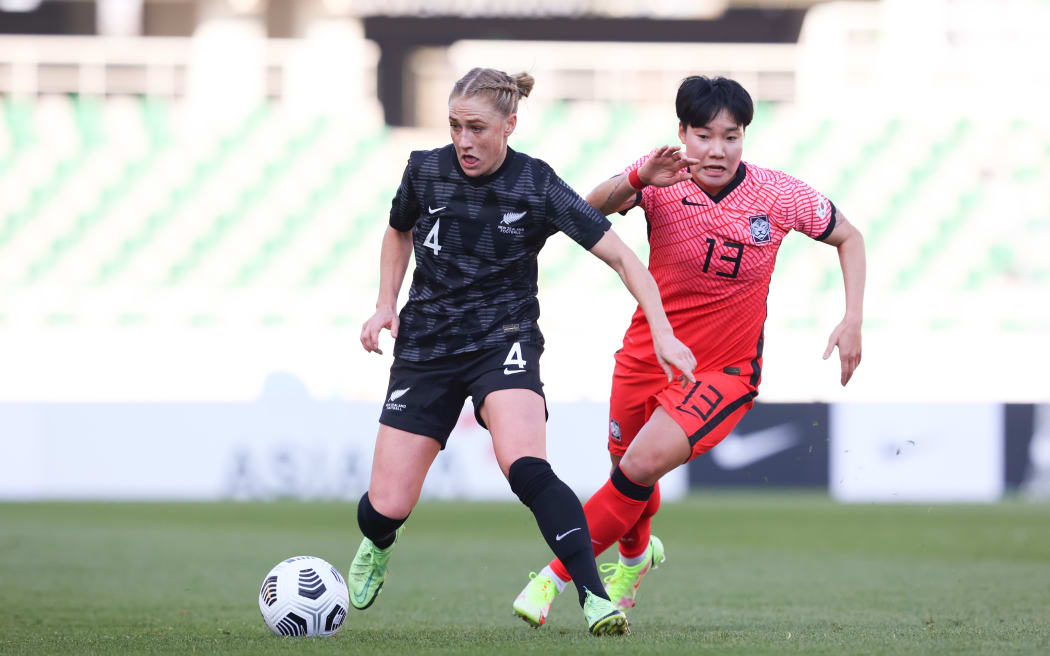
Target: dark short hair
[{"x": 701, "y": 98}]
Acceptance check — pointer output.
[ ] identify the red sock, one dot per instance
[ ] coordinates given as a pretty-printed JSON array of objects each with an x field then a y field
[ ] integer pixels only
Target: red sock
[
  {"x": 610, "y": 513},
  {"x": 636, "y": 540}
]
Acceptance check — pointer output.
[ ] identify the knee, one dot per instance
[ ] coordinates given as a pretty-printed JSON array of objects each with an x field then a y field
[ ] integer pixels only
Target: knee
[
  {"x": 528, "y": 477},
  {"x": 642, "y": 468},
  {"x": 393, "y": 503}
]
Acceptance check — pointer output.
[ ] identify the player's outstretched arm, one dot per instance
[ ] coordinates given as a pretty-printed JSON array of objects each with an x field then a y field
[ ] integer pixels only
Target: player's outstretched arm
[
  {"x": 846, "y": 336},
  {"x": 393, "y": 262},
  {"x": 669, "y": 351},
  {"x": 667, "y": 166}
]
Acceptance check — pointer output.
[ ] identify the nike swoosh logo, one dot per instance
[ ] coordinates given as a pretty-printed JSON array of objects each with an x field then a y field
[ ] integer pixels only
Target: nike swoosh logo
[
  {"x": 558, "y": 538},
  {"x": 687, "y": 202},
  {"x": 434, "y": 210},
  {"x": 507, "y": 372},
  {"x": 739, "y": 451},
  {"x": 364, "y": 591}
]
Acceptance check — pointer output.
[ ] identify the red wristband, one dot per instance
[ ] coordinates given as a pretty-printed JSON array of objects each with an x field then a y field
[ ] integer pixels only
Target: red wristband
[{"x": 635, "y": 181}]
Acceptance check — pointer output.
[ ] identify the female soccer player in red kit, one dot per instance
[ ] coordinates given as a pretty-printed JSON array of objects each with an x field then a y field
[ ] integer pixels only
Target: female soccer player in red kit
[{"x": 715, "y": 224}]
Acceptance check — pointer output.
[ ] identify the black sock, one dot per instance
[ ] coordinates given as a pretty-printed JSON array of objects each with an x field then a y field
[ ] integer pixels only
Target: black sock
[
  {"x": 376, "y": 526},
  {"x": 560, "y": 518}
]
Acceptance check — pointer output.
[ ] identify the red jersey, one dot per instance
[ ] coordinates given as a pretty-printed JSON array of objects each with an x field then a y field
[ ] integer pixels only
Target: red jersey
[{"x": 713, "y": 256}]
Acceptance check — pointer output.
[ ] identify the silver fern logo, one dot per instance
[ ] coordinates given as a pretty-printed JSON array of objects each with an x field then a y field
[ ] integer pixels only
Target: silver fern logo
[
  {"x": 509, "y": 218},
  {"x": 394, "y": 396}
]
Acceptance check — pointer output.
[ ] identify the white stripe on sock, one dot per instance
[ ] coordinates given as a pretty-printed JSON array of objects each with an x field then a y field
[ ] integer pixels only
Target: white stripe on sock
[
  {"x": 630, "y": 562},
  {"x": 558, "y": 582}
]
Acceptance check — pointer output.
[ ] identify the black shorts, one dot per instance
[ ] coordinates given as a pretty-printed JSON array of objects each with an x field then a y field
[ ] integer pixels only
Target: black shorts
[{"x": 426, "y": 397}]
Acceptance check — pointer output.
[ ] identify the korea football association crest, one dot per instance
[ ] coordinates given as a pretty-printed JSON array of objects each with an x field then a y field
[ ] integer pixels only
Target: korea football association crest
[
  {"x": 760, "y": 229},
  {"x": 614, "y": 429},
  {"x": 822, "y": 208}
]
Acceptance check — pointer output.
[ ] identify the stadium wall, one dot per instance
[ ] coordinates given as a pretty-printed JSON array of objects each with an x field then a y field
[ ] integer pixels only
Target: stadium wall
[{"x": 288, "y": 445}]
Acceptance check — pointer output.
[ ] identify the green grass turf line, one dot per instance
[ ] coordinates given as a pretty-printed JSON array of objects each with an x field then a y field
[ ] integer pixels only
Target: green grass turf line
[{"x": 746, "y": 573}]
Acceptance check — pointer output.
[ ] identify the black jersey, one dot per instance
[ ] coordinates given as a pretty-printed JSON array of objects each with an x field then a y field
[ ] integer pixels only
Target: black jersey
[{"x": 476, "y": 242}]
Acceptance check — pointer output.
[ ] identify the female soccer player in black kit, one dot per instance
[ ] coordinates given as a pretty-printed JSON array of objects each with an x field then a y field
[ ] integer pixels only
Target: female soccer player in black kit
[{"x": 477, "y": 214}]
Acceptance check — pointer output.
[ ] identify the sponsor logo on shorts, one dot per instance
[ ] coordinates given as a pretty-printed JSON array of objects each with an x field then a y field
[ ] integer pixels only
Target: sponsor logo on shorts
[
  {"x": 760, "y": 228},
  {"x": 614, "y": 429},
  {"x": 394, "y": 396}
]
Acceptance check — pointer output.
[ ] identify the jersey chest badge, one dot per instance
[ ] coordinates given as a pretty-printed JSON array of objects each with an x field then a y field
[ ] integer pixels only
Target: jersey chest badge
[
  {"x": 507, "y": 227},
  {"x": 760, "y": 229}
]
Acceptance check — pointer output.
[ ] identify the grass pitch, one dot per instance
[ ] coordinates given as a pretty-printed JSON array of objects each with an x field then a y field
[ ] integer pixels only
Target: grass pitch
[{"x": 746, "y": 574}]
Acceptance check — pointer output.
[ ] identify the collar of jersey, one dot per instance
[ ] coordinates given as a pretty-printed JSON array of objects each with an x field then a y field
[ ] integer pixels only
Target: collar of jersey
[
  {"x": 741, "y": 172},
  {"x": 485, "y": 178}
]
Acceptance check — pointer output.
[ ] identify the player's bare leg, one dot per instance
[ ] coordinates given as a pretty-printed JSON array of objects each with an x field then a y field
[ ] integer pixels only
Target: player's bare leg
[
  {"x": 399, "y": 467},
  {"x": 516, "y": 419},
  {"x": 658, "y": 448}
]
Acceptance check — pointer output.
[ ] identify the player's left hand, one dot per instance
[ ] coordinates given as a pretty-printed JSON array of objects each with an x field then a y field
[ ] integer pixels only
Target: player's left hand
[
  {"x": 847, "y": 337},
  {"x": 672, "y": 353}
]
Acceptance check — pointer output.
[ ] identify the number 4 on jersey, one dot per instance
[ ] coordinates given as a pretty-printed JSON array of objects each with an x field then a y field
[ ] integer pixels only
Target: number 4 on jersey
[{"x": 431, "y": 241}]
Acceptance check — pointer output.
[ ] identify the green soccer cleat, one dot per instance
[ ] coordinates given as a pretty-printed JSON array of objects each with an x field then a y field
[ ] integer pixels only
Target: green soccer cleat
[
  {"x": 534, "y": 602},
  {"x": 368, "y": 571},
  {"x": 622, "y": 584},
  {"x": 603, "y": 617}
]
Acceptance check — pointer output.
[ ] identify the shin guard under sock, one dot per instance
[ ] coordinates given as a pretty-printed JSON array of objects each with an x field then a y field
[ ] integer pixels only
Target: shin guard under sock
[
  {"x": 636, "y": 540},
  {"x": 560, "y": 518},
  {"x": 376, "y": 526},
  {"x": 612, "y": 511}
]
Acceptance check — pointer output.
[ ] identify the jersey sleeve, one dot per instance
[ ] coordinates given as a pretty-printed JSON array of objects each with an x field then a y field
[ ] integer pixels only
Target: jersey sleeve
[
  {"x": 642, "y": 197},
  {"x": 571, "y": 214},
  {"x": 805, "y": 209},
  {"x": 404, "y": 208}
]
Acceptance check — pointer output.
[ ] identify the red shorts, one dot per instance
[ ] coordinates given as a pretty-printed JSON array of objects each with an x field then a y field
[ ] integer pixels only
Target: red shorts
[{"x": 707, "y": 411}]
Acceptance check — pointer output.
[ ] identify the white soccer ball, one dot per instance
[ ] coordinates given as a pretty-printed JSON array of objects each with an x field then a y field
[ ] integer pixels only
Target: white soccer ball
[{"x": 304, "y": 596}]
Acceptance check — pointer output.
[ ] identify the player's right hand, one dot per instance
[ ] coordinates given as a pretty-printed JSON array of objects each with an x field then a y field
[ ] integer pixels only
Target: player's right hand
[
  {"x": 670, "y": 352},
  {"x": 383, "y": 318},
  {"x": 667, "y": 166}
]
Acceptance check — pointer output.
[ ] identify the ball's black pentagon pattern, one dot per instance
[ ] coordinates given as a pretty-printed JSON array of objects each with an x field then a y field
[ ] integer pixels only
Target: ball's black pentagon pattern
[
  {"x": 292, "y": 625},
  {"x": 310, "y": 584},
  {"x": 269, "y": 590},
  {"x": 335, "y": 618}
]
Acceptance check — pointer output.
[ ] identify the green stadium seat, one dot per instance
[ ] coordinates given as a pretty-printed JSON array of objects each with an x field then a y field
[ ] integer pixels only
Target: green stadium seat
[
  {"x": 156, "y": 120},
  {"x": 207, "y": 243},
  {"x": 298, "y": 221}
]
